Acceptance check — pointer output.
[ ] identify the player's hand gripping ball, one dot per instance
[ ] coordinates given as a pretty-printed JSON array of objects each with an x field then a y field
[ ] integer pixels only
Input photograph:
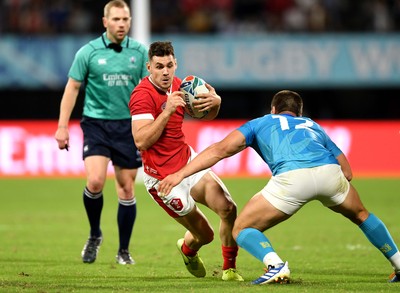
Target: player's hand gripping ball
[{"x": 192, "y": 86}]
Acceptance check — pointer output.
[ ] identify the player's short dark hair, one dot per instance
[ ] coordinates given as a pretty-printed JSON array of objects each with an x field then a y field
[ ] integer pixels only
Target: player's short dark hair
[
  {"x": 286, "y": 100},
  {"x": 161, "y": 49}
]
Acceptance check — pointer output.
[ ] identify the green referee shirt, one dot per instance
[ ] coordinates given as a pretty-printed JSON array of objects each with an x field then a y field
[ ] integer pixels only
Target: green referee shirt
[{"x": 109, "y": 76}]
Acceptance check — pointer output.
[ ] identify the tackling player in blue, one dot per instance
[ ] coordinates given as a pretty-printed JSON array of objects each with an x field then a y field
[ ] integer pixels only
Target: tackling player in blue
[{"x": 306, "y": 165}]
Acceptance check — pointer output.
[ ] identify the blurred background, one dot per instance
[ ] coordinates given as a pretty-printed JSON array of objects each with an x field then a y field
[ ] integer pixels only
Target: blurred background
[{"x": 342, "y": 56}]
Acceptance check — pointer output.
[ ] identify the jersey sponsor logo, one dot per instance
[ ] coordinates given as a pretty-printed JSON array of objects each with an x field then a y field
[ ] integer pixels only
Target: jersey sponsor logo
[
  {"x": 117, "y": 79},
  {"x": 102, "y": 61}
]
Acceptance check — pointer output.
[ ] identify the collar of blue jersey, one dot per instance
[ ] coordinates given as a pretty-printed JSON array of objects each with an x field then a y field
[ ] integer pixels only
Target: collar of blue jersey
[{"x": 116, "y": 47}]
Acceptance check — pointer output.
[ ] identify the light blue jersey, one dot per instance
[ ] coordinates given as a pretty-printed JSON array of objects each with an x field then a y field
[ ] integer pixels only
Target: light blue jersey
[{"x": 288, "y": 143}]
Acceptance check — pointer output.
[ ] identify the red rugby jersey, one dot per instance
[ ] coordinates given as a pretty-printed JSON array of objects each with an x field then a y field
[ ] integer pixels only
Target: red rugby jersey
[{"x": 171, "y": 152}]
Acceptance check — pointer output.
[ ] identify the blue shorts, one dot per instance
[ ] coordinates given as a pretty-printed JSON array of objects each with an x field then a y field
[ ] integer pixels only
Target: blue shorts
[{"x": 112, "y": 139}]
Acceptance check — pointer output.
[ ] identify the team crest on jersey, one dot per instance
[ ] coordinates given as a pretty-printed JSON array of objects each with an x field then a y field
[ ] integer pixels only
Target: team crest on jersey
[
  {"x": 102, "y": 61},
  {"x": 163, "y": 106},
  {"x": 133, "y": 59}
]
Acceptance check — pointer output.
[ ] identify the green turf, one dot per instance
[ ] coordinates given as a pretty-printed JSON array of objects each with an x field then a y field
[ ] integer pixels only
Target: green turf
[{"x": 43, "y": 228}]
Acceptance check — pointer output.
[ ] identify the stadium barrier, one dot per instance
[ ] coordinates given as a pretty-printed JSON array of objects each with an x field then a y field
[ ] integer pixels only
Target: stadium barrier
[{"x": 28, "y": 148}]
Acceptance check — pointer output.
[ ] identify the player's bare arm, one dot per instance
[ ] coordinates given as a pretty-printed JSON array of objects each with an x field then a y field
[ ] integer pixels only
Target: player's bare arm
[
  {"x": 345, "y": 165},
  {"x": 229, "y": 146},
  {"x": 67, "y": 105},
  {"x": 147, "y": 132},
  {"x": 210, "y": 101}
]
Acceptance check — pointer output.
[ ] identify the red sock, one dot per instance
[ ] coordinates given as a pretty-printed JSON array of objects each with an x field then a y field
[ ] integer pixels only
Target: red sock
[
  {"x": 188, "y": 251},
  {"x": 229, "y": 254}
]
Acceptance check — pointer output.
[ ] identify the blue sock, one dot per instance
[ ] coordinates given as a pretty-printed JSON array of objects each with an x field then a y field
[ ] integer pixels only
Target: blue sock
[
  {"x": 254, "y": 242},
  {"x": 126, "y": 219},
  {"x": 377, "y": 233}
]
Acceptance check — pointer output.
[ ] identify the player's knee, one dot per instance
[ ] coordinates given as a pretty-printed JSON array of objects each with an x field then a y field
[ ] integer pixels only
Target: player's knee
[
  {"x": 125, "y": 192},
  {"x": 95, "y": 185},
  {"x": 228, "y": 211}
]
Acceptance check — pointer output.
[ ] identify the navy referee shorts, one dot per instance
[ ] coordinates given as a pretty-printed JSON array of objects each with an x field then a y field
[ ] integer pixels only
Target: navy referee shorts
[{"x": 112, "y": 139}]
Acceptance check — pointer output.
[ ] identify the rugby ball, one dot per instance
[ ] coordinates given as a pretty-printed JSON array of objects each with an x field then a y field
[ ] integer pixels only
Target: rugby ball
[{"x": 191, "y": 86}]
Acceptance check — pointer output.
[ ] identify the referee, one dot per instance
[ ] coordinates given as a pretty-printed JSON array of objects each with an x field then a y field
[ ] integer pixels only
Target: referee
[{"x": 109, "y": 67}]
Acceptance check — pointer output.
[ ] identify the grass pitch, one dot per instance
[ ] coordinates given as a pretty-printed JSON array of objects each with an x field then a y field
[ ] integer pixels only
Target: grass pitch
[{"x": 43, "y": 227}]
